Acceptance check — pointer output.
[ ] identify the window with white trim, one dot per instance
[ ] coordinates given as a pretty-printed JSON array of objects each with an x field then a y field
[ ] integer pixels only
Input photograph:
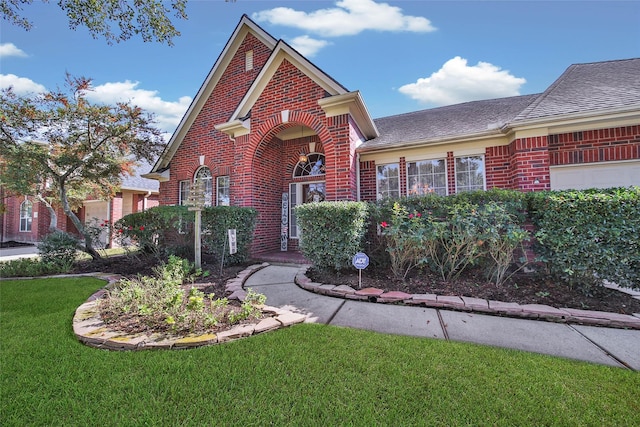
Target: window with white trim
[
  {"x": 470, "y": 174},
  {"x": 183, "y": 194},
  {"x": 204, "y": 174},
  {"x": 427, "y": 176},
  {"x": 26, "y": 216},
  {"x": 388, "y": 181},
  {"x": 223, "y": 190}
]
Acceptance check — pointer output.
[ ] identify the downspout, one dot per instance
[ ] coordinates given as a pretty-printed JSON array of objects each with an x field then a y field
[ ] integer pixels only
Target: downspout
[
  {"x": 358, "y": 177},
  {"x": 145, "y": 200},
  {"x": 110, "y": 218}
]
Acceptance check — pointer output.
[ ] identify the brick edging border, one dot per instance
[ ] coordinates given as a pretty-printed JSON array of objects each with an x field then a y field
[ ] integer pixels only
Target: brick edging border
[
  {"x": 469, "y": 304},
  {"x": 89, "y": 328}
]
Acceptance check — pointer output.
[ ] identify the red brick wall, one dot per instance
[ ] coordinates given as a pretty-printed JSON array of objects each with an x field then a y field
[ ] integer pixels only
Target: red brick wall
[
  {"x": 591, "y": 146},
  {"x": 498, "y": 167},
  {"x": 202, "y": 138}
]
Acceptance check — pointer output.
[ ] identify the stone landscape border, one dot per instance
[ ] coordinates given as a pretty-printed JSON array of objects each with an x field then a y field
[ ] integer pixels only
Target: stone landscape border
[
  {"x": 469, "y": 304},
  {"x": 92, "y": 331}
]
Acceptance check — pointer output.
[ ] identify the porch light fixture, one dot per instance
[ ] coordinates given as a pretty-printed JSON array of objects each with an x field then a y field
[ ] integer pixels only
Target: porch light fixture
[{"x": 303, "y": 158}]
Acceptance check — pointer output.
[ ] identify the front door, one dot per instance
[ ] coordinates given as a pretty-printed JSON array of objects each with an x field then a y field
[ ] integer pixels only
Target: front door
[{"x": 303, "y": 192}]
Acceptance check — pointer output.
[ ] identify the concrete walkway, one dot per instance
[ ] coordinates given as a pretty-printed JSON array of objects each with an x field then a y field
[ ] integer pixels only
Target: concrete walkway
[
  {"x": 601, "y": 345},
  {"x": 10, "y": 254}
]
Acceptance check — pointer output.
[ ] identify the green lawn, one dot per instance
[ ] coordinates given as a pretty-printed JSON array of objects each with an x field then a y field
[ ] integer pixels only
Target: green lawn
[{"x": 305, "y": 375}]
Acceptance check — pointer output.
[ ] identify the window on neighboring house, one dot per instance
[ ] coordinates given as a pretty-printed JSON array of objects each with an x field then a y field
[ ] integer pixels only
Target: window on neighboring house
[
  {"x": 427, "y": 176},
  {"x": 470, "y": 173},
  {"x": 223, "y": 190},
  {"x": 388, "y": 181},
  {"x": 183, "y": 196},
  {"x": 26, "y": 216},
  {"x": 204, "y": 174}
]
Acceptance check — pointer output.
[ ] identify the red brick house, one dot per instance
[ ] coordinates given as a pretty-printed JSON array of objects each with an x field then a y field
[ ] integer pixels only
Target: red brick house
[
  {"x": 269, "y": 129},
  {"x": 26, "y": 219}
]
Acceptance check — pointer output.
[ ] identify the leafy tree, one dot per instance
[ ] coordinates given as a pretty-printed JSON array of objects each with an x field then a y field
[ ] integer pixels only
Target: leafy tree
[
  {"x": 147, "y": 18},
  {"x": 62, "y": 149}
]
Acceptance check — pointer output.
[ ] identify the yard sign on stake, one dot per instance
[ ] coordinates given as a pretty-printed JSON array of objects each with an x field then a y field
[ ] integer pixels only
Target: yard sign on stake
[
  {"x": 196, "y": 203},
  {"x": 360, "y": 261}
]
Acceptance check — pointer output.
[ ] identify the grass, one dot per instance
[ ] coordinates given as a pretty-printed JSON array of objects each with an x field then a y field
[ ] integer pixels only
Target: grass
[{"x": 303, "y": 375}]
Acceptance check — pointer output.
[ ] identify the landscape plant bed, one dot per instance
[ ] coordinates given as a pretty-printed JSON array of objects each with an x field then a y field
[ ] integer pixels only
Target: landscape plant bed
[
  {"x": 522, "y": 288},
  {"x": 213, "y": 285}
]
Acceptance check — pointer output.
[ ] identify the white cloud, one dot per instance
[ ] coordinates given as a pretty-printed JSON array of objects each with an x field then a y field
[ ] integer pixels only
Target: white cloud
[
  {"x": 307, "y": 46},
  {"x": 350, "y": 17},
  {"x": 457, "y": 82},
  {"x": 10, "y": 49},
  {"x": 167, "y": 114},
  {"x": 21, "y": 85}
]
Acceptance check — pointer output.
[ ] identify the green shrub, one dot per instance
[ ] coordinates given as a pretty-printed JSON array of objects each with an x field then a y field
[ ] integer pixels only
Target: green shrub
[
  {"x": 502, "y": 236},
  {"x": 585, "y": 237},
  {"x": 159, "y": 302},
  {"x": 59, "y": 248},
  {"x": 216, "y": 221},
  {"x": 332, "y": 232},
  {"x": 161, "y": 230},
  {"x": 452, "y": 233},
  {"x": 32, "y": 267}
]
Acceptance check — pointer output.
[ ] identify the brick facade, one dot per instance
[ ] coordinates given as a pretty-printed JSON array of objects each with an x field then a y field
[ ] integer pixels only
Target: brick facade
[
  {"x": 283, "y": 93},
  {"x": 601, "y": 145}
]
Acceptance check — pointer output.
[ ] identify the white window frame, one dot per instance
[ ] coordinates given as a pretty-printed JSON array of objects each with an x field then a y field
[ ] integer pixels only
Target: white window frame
[
  {"x": 208, "y": 180},
  {"x": 295, "y": 199},
  {"x": 436, "y": 189},
  {"x": 484, "y": 172},
  {"x": 183, "y": 194},
  {"x": 26, "y": 216},
  {"x": 220, "y": 185},
  {"x": 379, "y": 196}
]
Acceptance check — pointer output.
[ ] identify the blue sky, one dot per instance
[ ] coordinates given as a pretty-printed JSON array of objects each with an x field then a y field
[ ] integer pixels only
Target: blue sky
[{"x": 402, "y": 55}]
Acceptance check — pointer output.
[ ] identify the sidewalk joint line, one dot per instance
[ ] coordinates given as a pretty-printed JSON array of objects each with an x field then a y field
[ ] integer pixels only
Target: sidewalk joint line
[
  {"x": 607, "y": 352},
  {"x": 336, "y": 312},
  {"x": 443, "y": 325}
]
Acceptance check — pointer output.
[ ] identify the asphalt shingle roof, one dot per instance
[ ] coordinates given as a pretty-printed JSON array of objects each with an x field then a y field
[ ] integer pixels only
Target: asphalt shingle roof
[
  {"x": 591, "y": 87},
  {"x": 136, "y": 182},
  {"x": 582, "y": 88},
  {"x": 447, "y": 122}
]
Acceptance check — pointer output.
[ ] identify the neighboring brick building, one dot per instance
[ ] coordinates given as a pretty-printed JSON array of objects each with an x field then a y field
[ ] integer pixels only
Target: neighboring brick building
[
  {"x": 269, "y": 129},
  {"x": 26, "y": 219}
]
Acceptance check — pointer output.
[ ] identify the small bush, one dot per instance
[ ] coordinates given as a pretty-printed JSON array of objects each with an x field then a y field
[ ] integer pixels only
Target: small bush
[
  {"x": 59, "y": 248},
  {"x": 32, "y": 267},
  {"x": 160, "y": 303},
  {"x": 161, "y": 231},
  {"x": 332, "y": 232}
]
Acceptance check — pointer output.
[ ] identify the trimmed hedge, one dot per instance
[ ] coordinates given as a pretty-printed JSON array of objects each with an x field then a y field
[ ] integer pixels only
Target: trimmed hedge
[
  {"x": 168, "y": 230},
  {"x": 585, "y": 237},
  {"x": 332, "y": 232},
  {"x": 161, "y": 230},
  {"x": 215, "y": 223}
]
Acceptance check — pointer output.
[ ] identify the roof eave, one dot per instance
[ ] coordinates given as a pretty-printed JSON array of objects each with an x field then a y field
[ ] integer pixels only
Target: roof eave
[
  {"x": 209, "y": 84},
  {"x": 435, "y": 141}
]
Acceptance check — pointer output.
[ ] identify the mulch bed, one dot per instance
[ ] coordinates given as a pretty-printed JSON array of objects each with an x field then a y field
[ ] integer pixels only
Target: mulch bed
[{"x": 524, "y": 288}]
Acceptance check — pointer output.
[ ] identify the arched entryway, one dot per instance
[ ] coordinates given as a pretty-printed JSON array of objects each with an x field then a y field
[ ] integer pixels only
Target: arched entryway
[{"x": 288, "y": 169}]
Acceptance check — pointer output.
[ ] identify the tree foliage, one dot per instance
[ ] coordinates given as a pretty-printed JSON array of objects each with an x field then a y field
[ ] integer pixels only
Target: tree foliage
[
  {"x": 60, "y": 147},
  {"x": 115, "y": 20}
]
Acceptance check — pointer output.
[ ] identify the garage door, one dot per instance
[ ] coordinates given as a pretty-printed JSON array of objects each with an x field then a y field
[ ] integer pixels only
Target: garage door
[{"x": 602, "y": 175}]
